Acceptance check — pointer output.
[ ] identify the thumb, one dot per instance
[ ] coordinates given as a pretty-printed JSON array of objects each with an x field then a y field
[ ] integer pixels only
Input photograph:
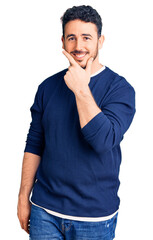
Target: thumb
[{"x": 89, "y": 64}]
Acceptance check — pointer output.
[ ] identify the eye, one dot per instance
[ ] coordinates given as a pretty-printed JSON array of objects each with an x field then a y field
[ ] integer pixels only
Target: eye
[
  {"x": 71, "y": 39},
  {"x": 86, "y": 38}
]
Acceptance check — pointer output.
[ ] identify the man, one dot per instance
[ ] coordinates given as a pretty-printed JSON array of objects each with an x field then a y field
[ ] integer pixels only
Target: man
[{"x": 72, "y": 155}]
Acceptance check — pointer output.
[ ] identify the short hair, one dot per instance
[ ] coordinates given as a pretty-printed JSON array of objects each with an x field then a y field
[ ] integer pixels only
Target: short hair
[{"x": 83, "y": 13}]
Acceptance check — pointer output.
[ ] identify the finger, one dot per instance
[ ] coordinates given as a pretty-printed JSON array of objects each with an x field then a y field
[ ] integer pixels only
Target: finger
[
  {"x": 69, "y": 57},
  {"x": 69, "y": 68},
  {"x": 89, "y": 64},
  {"x": 26, "y": 227}
]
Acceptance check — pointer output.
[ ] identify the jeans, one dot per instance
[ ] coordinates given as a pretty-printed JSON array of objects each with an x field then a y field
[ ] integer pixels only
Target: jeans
[{"x": 44, "y": 226}]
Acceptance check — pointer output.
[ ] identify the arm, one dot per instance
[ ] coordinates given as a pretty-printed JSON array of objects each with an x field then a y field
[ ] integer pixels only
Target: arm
[
  {"x": 101, "y": 129},
  {"x": 86, "y": 105},
  {"x": 32, "y": 156},
  {"x": 105, "y": 131},
  {"x": 29, "y": 167}
]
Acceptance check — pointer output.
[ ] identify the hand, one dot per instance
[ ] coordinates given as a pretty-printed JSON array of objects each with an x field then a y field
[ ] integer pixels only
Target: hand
[
  {"x": 23, "y": 213},
  {"x": 77, "y": 78}
]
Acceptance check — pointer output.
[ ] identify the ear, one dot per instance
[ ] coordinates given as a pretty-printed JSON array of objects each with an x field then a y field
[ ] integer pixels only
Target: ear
[
  {"x": 62, "y": 38},
  {"x": 101, "y": 41}
]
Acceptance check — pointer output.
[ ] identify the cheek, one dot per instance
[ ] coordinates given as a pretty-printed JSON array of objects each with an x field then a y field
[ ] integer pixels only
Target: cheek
[
  {"x": 91, "y": 47},
  {"x": 69, "y": 46}
]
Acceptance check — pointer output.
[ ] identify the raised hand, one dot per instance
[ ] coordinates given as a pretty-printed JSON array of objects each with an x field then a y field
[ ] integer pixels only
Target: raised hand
[{"x": 77, "y": 78}]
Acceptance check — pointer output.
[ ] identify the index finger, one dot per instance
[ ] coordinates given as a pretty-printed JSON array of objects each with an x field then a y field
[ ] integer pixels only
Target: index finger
[{"x": 69, "y": 57}]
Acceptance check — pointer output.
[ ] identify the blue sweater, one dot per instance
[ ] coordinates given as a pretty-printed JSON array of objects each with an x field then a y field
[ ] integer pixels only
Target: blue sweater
[{"x": 78, "y": 173}]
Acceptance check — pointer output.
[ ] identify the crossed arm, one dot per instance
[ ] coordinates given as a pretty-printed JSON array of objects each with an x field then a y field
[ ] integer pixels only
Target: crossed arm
[{"x": 77, "y": 79}]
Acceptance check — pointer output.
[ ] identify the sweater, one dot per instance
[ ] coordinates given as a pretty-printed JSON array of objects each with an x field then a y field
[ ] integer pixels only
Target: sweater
[{"x": 78, "y": 173}]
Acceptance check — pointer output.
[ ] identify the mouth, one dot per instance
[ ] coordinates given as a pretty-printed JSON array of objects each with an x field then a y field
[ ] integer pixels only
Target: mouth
[{"x": 79, "y": 56}]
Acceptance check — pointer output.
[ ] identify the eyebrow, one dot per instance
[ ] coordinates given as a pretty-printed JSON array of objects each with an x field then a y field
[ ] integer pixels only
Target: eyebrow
[{"x": 73, "y": 35}]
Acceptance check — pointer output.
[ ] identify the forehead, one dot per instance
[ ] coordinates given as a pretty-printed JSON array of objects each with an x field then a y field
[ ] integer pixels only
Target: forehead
[{"x": 79, "y": 27}]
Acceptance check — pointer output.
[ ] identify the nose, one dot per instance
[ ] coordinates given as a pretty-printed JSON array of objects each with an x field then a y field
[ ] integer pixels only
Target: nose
[{"x": 78, "y": 45}]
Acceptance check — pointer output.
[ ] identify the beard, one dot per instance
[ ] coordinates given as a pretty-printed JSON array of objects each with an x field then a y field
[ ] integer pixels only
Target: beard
[{"x": 94, "y": 55}]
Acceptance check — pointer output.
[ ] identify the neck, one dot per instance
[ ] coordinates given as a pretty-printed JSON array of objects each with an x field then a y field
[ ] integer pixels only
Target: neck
[{"x": 96, "y": 65}]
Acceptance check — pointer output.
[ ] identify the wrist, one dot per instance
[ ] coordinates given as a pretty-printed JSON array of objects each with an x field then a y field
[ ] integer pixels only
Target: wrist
[
  {"x": 83, "y": 92},
  {"x": 24, "y": 194}
]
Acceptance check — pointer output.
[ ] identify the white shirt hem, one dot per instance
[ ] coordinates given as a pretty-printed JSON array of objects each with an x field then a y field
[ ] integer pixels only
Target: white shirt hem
[{"x": 87, "y": 219}]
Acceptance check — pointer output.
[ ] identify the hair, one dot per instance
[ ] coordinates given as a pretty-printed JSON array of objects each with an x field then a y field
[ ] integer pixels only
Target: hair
[{"x": 83, "y": 13}]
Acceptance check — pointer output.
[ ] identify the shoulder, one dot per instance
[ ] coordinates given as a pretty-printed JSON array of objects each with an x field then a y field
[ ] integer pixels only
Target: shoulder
[
  {"x": 52, "y": 80},
  {"x": 118, "y": 81},
  {"x": 47, "y": 87},
  {"x": 119, "y": 89}
]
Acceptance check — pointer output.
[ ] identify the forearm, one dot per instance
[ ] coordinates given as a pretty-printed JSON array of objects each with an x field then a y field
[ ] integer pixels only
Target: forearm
[
  {"x": 29, "y": 167},
  {"x": 86, "y": 105}
]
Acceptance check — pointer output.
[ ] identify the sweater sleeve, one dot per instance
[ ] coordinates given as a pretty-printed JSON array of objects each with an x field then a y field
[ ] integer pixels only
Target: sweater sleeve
[
  {"x": 106, "y": 129},
  {"x": 35, "y": 136}
]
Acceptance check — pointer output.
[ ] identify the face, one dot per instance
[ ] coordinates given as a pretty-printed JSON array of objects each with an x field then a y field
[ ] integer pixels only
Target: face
[{"x": 81, "y": 41}]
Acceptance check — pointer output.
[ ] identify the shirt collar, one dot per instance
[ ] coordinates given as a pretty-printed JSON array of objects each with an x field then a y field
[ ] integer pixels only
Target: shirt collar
[{"x": 100, "y": 70}]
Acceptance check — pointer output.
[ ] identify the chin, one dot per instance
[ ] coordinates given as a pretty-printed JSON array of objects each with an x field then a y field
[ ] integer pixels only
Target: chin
[{"x": 82, "y": 65}]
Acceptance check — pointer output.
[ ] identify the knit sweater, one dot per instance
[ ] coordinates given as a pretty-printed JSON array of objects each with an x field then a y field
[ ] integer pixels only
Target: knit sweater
[{"x": 78, "y": 173}]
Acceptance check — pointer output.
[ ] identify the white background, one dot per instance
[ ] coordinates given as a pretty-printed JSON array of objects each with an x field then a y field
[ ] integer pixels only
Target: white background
[{"x": 30, "y": 51}]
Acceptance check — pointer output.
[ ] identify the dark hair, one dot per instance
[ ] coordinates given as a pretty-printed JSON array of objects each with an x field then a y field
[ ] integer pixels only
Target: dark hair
[{"x": 83, "y": 13}]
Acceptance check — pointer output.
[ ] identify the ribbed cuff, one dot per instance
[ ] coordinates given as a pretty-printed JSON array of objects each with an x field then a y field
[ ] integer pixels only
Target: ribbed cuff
[
  {"x": 92, "y": 127},
  {"x": 33, "y": 150}
]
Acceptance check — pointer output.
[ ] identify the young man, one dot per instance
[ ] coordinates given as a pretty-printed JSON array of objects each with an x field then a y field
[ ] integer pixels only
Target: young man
[{"x": 72, "y": 154}]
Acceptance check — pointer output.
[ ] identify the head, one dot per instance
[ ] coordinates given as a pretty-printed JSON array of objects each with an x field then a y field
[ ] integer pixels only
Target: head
[{"x": 82, "y": 28}]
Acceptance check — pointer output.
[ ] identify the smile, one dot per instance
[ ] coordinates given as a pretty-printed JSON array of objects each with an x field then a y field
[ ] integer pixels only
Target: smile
[{"x": 79, "y": 56}]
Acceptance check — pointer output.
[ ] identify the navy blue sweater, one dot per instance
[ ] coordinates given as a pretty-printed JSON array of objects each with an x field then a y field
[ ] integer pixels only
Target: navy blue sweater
[{"x": 78, "y": 173}]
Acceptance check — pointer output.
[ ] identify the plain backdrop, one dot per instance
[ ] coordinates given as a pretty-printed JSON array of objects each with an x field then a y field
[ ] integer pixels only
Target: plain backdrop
[{"x": 31, "y": 51}]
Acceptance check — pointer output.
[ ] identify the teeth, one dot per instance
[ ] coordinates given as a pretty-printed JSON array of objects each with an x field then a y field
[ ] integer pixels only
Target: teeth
[{"x": 80, "y": 56}]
